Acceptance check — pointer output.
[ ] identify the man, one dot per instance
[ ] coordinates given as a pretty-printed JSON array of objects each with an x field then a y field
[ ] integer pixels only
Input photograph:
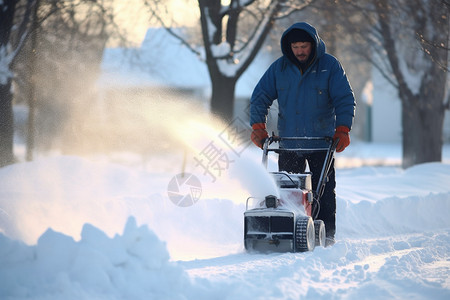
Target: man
[{"x": 315, "y": 99}]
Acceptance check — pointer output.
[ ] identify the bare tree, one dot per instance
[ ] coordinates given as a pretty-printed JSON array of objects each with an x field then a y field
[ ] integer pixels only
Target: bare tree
[
  {"x": 423, "y": 107},
  {"x": 62, "y": 56},
  {"x": 35, "y": 35},
  {"x": 9, "y": 50},
  {"x": 232, "y": 35},
  {"x": 408, "y": 42}
]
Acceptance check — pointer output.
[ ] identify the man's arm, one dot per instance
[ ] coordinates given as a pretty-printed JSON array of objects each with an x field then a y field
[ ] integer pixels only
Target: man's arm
[
  {"x": 342, "y": 96},
  {"x": 344, "y": 103}
]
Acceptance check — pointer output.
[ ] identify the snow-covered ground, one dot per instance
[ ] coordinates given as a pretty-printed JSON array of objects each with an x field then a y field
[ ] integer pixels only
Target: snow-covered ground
[{"x": 92, "y": 228}]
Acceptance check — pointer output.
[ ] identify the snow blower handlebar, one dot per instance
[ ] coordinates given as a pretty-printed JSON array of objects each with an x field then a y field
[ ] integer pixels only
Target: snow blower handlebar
[
  {"x": 328, "y": 158},
  {"x": 276, "y": 139}
]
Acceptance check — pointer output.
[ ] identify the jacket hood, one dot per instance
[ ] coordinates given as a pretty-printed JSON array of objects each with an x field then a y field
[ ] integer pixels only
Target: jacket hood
[{"x": 319, "y": 43}]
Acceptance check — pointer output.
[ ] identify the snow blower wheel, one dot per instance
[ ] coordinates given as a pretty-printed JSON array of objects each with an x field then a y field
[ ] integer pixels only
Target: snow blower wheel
[
  {"x": 319, "y": 227},
  {"x": 304, "y": 234}
]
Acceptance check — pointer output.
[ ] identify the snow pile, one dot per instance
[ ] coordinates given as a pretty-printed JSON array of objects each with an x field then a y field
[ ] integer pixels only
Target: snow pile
[
  {"x": 393, "y": 201},
  {"x": 62, "y": 236},
  {"x": 124, "y": 267}
]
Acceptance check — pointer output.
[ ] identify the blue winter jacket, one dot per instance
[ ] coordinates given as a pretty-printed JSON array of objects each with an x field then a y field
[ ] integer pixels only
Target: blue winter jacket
[{"x": 312, "y": 103}]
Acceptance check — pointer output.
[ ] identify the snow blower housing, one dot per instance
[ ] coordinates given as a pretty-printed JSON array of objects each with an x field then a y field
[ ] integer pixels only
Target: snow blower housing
[{"x": 287, "y": 224}]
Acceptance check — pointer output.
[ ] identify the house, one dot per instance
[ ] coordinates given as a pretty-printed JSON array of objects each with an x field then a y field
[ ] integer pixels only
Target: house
[{"x": 163, "y": 63}]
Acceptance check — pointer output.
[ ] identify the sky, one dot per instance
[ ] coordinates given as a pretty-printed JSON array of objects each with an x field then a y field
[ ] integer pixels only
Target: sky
[{"x": 133, "y": 17}]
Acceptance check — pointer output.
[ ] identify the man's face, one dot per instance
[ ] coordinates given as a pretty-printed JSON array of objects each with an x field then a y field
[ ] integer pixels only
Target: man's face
[{"x": 301, "y": 50}]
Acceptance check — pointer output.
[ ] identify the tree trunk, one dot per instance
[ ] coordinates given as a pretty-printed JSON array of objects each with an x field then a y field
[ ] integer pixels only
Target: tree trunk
[
  {"x": 423, "y": 116},
  {"x": 6, "y": 125},
  {"x": 423, "y": 119},
  {"x": 31, "y": 126},
  {"x": 7, "y": 9},
  {"x": 422, "y": 136},
  {"x": 222, "y": 99}
]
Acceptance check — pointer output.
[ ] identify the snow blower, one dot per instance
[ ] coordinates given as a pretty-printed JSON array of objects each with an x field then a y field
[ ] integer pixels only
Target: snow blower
[{"x": 288, "y": 223}]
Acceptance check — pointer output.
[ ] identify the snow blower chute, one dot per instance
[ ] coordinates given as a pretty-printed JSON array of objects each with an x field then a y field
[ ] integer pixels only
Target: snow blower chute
[{"x": 288, "y": 223}]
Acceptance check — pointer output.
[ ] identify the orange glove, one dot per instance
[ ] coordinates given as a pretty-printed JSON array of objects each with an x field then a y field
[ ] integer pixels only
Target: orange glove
[
  {"x": 342, "y": 132},
  {"x": 259, "y": 134}
]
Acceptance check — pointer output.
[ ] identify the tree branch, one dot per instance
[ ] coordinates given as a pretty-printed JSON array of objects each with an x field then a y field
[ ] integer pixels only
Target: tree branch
[
  {"x": 382, "y": 10},
  {"x": 172, "y": 32}
]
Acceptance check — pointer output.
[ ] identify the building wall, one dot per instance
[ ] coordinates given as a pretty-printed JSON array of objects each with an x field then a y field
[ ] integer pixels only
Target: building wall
[{"x": 386, "y": 113}]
